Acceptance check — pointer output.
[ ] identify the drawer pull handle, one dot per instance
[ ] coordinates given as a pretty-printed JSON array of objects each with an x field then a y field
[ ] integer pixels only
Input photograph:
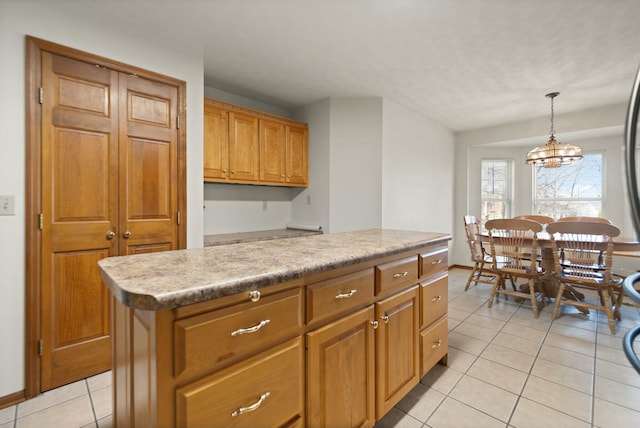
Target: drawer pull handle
[
  {"x": 252, "y": 407},
  {"x": 374, "y": 323},
  {"x": 436, "y": 344},
  {"x": 436, "y": 262},
  {"x": 435, "y": 299},
  {"x": 401, "y": 275},
  {"x": 250, "y": 329},
  {"x": 346, "y": 295},
  {"x": 254, "y": 295}
]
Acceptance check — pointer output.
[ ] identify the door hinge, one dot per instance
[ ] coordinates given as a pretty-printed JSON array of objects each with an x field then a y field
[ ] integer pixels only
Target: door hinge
[
  {"x": 40, "y": 95},
  {"x": 40, "y": 348},
  {"x": 178, "y": 121},
  {"x": 178, "y": 217},
  {"x": 40, "y": 221}
]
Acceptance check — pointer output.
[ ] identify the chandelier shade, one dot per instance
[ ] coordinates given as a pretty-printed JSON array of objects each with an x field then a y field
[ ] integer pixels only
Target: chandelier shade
[{"x": 554, "y": 154}]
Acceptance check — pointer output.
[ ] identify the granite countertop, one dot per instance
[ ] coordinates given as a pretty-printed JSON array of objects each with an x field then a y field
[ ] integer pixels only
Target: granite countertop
[
  {"x": 170, "y": 279},
  {"x": 261, "y": 235}
]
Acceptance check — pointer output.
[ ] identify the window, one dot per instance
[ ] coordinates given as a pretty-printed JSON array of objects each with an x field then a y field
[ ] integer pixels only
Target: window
[
  {"x": 570, "y": 190},
  {"x": 496, "y": 182}
]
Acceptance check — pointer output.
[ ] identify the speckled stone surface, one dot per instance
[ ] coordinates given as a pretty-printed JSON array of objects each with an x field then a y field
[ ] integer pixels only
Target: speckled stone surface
[
  {"x": 171, "y": 279},
  {"x": 262, "y": 235}
]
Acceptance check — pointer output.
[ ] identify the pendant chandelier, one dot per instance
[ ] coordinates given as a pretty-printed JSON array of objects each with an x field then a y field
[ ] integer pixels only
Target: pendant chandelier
[{"x": 553, "y": 154}]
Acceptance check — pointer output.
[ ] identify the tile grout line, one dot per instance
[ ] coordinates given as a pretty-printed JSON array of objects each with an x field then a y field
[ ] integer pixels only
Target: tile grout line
[{"x": 93, "y": 409}]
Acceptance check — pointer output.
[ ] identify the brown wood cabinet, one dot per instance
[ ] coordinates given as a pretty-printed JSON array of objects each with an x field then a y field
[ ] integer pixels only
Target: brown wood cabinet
[
  {"x": 324, "y": 350},
  {"x": 247, "y": 146}
]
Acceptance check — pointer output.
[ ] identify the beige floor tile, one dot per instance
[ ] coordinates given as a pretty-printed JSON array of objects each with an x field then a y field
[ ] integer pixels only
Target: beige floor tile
[
  {"x": 567, "y": 358},
  {"x": 558, "y": 397},
  {"x": 499, "y": 312},
  {"x": 571, "y": 344},
  {"x": 460, "y": 360},
  {"x": 452, "y": 323},
  {"x": 529, "y": 333},
  {"x": 612, "y": 355},
  {"x": 454, "y": 414},
  {"x": 458, "y": 314},
  {"x": 578, "y": 320},
  {"x": 466, "y": 343},
  {"x": 617, "y": 372},
  {"x": 442, "y": 379},
  {"x": 498, "y": 375},
  {"x": 467, "y": 302},
  {"x": 621, "y": 330},
  {"x": 610, "y": 415},
  {"x": 610, "y": 341},
  {"x": 529, "y": 321},
  {"x": 574, "y": 332},
  {"x": 421, "y": 402},
  {"x": 7, "y": 425},
  {"x": 620, "y": 393},
  {"x": 53, "y": 397},
  {"x": 517, "y": 343},
  {"x": 105, "y": 422},
  {"x": 529, "y": 414},
  {"x": 7, "y": 414},
  {"x": 99, "y": 381},
  {"x": 102, "y": 402},
  {"x": 476, "y": 331},
  {"x": 485, "y": 321},
  {"x": 485, "y": 397},
  {"x": 508, "y": 357},
  {"x": 563, "y": 375},
  {"x": 397, "y": 419},
  {"x": 72, "y": 413}
]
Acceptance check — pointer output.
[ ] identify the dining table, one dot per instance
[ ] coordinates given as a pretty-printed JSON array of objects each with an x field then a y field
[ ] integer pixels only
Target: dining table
[{"x": 622, "y": 246}]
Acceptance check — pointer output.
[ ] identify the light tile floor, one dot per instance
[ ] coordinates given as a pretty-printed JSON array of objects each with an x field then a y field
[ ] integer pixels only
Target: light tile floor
[{"x": 506, "y": 369}]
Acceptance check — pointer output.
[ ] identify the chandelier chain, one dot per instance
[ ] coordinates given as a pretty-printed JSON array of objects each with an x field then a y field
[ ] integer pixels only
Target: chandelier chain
[{"x": 551, "y": 131}]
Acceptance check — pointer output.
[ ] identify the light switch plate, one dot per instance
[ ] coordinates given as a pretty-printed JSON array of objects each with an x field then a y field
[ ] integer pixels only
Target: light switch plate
[{"x": 7, "y": 205}]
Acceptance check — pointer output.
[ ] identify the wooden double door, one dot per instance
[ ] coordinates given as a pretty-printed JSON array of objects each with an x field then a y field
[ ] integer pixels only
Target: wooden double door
[{"x": 109, "y": 184}]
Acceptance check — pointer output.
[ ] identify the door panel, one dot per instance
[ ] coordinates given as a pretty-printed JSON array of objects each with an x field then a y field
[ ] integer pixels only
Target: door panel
[
  {"x": 243, "y": 147},
  {"x": 148, "y": 165},
  {"x": 216, "y": 145},
  {"x": 79, "y": 208},
  {"x": 297, "y": 164},
  {"x": 272, "y": 151}
]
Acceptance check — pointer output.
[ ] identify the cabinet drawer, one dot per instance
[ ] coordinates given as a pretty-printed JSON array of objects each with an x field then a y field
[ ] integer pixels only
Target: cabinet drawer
[
  {"x": 433, "y": 300},
  {"x": 211, "y": 340},
  {"x": 336, "y": 295},
  {"x": 397, "y": 273},
  {"x": 265, "y": 390},
  {"x": 434, "y": 344},
  {"x": 434, "y": 262}
]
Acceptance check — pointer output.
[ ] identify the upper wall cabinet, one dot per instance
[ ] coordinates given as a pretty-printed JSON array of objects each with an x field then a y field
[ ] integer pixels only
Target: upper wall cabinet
[{"x": 247, "y": 146}]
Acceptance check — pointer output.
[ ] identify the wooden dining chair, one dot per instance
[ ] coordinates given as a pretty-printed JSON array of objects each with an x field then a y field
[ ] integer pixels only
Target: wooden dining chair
[
  {"x": 582, "y": 254},
  {"x": 479, "y": 256},
  {"x": 584, "y": 218},
  {"x": 542, "y": 219},
  {"x": 512, "y": 242}
]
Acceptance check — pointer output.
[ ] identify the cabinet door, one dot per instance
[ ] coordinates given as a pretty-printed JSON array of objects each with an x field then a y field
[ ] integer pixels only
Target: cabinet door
[
  {"x": 297, "y": 157},
  {"x": 397, "y": 348},
  {"x": 243, "y": 147},
  {"x": 340, "y": 373},
  {"x": 272, "y": 151},
  {"x": 216, "y": 143}
]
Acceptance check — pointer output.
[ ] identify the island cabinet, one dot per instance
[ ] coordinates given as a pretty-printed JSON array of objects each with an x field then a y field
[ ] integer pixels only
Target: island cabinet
[
  {"x": 336, "y": 345},
  {"x": 243, "y": 145}
]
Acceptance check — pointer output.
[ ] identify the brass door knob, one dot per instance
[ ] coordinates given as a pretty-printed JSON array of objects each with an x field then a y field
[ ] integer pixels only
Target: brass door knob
[
  {"x": 126, "y": 234},
  {"x": 111, "y": 234}
]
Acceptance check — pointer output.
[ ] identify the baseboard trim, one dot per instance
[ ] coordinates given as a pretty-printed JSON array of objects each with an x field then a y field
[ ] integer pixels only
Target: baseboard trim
[
  {"x": 11, "y": 399},
  {"x": 460, "y": 267}
]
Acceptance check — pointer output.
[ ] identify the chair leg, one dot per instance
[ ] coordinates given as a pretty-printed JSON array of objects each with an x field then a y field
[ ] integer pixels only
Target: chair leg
[
  {"x": 534, "y": 302},
  {"x": 609, "y": 312},
  {"x": 475, "y": 271},
  {"x": 556, "y": 306},
  {"x": 494, "y": 290}
]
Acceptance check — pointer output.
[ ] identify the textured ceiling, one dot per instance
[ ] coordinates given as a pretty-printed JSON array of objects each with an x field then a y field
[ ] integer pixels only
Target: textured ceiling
[{"x": 464, "y": 63}]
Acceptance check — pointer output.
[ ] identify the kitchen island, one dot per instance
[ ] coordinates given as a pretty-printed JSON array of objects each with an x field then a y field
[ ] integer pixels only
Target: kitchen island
[{"x": 324, "y": 330}]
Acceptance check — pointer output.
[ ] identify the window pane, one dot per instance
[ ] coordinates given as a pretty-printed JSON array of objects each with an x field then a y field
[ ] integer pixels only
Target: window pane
[
  {"x": 495, "y": 179},
  {"x": 571, "y": 190}
]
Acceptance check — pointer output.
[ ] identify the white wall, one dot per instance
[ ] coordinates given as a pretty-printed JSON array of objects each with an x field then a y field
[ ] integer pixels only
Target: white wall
[
  {"x": 417, "y": 172},
  {"x": 311, "y": 206},
  {"x": 355, "y": 162},
  {"x": 62, "y": 22},
  {"x": 598, "y": 129}
]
